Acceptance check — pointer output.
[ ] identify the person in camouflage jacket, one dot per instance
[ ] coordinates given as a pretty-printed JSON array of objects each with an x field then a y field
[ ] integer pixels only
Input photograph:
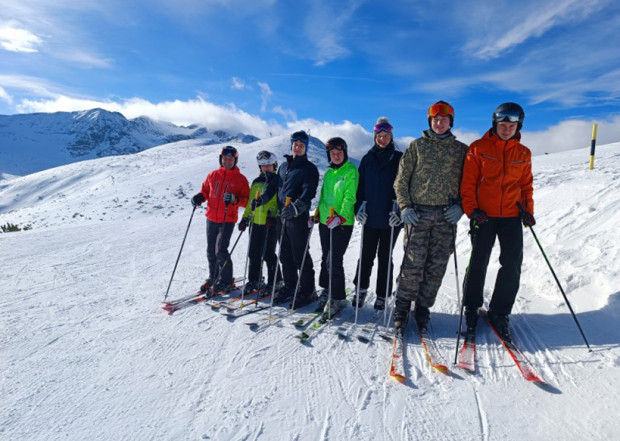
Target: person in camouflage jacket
[{"x": 427, "y": 190}]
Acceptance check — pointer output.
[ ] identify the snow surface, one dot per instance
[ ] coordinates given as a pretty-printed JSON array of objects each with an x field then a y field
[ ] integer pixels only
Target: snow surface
[{"x": 87, "y": 353}]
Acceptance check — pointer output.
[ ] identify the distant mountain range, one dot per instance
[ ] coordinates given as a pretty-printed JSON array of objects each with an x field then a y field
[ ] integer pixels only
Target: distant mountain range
[{"x": 33, "y": 142}]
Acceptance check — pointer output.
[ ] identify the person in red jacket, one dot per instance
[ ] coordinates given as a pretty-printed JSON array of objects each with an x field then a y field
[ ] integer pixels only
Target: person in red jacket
[
  {"x": 224, "y": 190},
  {"x": 497, "y": 176}
]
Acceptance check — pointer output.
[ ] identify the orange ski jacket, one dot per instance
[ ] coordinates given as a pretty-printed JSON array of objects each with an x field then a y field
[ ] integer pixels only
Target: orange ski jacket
[{"x": 497, "y": 174}]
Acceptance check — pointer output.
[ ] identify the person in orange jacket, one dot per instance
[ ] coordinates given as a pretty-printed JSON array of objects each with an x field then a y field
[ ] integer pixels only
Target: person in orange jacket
[
  {"x": 225, "y": 190},
  {"x": 496, "y": 177}
]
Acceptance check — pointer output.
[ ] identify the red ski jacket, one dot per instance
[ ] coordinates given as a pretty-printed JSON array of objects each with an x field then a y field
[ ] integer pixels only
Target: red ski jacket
[
  {"x": 497, "y": 174},
  {"x": 222, "y": 181}
]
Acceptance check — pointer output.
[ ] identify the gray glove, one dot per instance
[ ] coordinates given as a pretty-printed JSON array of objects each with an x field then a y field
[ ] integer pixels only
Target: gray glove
[
  {"x": 410, "y": 217},
  {"x": 395, "y": 219},
  {"x": 361, "y": 217},
  {"x": 229, "y": 198},
  {"x": 453, "y": 214}
]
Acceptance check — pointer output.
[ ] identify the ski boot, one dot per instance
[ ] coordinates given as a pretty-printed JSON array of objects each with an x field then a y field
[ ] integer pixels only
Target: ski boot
[
  {"x": 363, "y": 293},
  {"x": 500, "y": 323},
  {"x": 422, "y": 316}
]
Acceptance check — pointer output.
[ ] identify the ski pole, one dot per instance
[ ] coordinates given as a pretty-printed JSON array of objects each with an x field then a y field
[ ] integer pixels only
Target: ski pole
[
  {"x": 303, "y": 259},
  {"x": 331, "y": 268},
  {"x": 359, "y": 264},
  {"x": 389, "y": 267},
  {"x": 275, "y": 277},
  {"x": 556, "y": 280},
  {"x": 458, "y": 289},
  {"x": 408, "y": 229},
  {"x": 217, "y": 279},
  {"x": 247, "y": 255},
  {"x": 179, "y": 256}
]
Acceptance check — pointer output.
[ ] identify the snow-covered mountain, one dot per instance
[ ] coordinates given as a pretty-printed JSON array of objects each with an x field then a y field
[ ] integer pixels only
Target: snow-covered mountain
[
  {"x": 87, "y": 353},
  {"x": 38, "y": 141}
]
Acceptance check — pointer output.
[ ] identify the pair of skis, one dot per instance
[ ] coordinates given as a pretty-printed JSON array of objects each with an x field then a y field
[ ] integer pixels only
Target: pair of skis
[
  {"x": 467, "y": 357},
  {"x": 397, "y": 360}
]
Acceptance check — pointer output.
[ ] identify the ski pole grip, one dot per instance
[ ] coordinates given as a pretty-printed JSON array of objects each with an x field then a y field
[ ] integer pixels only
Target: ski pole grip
[
  {"x": 331, "y": 211},
  {"x": 288, "y": 201},
  {"x": 395, "y": 206},
  {"x": 256, "y": 196},
  {"x": 362, "y": 208}
]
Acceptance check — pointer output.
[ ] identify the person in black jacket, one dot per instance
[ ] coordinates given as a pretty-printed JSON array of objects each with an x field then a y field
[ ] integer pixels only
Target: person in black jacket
[
  {"x": 300, "y": 179},
  {"x": 377, "y": 171}
]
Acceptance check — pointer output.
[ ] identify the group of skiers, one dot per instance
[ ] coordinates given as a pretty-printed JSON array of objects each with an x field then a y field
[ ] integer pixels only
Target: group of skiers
[{"x": 426, "y": 189}]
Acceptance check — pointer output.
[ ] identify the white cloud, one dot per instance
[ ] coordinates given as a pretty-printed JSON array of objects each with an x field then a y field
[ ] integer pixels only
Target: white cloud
[
  {"x": 265, "y": 95},
  {"x": 492, "y": 38},
  {"x": 16, "y": 39},
  {"x": 288, "y": 114},
  {"x": 4, "y": 96},
  {"x": 572, "y": 134},
  {"x": 238, "y": 83}
]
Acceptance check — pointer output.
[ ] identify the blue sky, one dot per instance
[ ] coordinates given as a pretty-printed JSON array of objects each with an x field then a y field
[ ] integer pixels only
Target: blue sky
[{"x": 264, "y": 66}]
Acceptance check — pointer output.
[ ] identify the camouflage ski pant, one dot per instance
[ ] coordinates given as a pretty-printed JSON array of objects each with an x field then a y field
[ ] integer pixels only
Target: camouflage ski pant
[{"x": 430, "y": 244}]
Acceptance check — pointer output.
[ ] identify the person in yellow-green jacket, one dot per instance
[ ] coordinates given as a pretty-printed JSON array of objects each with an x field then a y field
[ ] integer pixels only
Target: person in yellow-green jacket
[
  {"x": 261, "y": 214},
  {"x": 338, "y": 192}
]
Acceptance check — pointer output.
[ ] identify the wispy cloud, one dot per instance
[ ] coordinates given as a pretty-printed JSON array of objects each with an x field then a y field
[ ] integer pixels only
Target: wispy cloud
[
  {"x": 265, "y": 95},
  {"x": 326, "y": 28},
  {"x": 4, "y": 96},
  {"x": 237, "y": 83},
  {"x": 287, "y": 114},
  {"x": 14, "y": 38},
  {"x": 494, "y": 39}
]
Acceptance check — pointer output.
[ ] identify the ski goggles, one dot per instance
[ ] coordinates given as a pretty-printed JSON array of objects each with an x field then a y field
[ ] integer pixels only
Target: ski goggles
[
  {"x": 229, "y": 151},
  {"x": 329, "y": 147},
  {"x": 442, "y": 109},
  {"x": 507, "y": 115},
  {"x": 383, "y": 127},
  {"x": 300, "y": 136}
]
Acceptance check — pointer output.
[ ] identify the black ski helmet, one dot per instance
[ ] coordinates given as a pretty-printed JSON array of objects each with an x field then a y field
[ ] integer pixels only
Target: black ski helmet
[
  {"x": 300, "y": 136},
  {"x": 339, "y": 144},
  {"x": 267, "y": 158},
  {"x": 511, "y": 112},
  {"x": 230, "y": 151}
]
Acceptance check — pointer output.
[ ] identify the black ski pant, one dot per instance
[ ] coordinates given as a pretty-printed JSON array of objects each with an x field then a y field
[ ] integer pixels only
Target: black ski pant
[
  {"x": 509, "y": 232},
  {"x": 262, "y": 247},
  {"x": 376, "y": 243},
  {"x": 341, "y": 235},
  {"x": 218, "y": 239},
  {"x": 292, "y": 253}
]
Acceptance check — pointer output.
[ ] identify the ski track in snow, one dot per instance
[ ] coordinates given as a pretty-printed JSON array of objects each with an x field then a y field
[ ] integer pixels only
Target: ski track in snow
[{"x": 88, "y": 353}]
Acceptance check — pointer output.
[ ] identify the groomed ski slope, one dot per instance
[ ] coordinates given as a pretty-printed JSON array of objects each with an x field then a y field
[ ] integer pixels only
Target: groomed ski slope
[{"x": 87, "y": 353}]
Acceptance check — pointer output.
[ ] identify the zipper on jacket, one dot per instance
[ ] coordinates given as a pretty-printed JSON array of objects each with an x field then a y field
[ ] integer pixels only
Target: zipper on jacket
[{"x": 501, "y": 199}]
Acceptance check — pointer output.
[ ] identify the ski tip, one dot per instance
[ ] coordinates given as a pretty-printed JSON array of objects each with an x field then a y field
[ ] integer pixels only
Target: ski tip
[
  {"x": 398, "y": 377},
  {"x": 442, "y": 368}
]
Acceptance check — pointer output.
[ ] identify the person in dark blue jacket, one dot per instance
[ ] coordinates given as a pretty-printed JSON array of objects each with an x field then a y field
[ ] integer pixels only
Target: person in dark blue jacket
[
  {"x": 377, "y": 171},
  {"x": 300, "y": 179}
]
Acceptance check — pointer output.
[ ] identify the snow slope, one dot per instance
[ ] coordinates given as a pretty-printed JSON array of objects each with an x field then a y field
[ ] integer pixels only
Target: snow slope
[{"x": 88, "y": 354}]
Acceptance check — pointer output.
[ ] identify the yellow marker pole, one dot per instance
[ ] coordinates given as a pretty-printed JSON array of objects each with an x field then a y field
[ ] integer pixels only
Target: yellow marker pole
[{"x": 592, "y": 147}]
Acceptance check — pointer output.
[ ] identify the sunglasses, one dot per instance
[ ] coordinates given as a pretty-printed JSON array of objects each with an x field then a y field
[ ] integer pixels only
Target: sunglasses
[
  {"x": 507, "y": 116},
  {"x": 440, "y": 109}
]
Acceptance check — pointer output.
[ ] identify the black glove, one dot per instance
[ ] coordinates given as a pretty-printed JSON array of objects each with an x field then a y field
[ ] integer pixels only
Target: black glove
[
  {"x": 243, "y": 224},
  {"x": 197, "y": 200},
  {"x": 256, "y": 203},
  {"x": 288, "y": 212},
  {"x": 229, "y": 198},
  {"x": 527, "y": 219},
  {"x": 269, "y": 222},
  {"x": 479, "y": 216}
]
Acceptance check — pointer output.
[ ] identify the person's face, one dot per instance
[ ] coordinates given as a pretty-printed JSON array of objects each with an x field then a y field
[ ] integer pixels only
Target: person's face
[
  {"x": 336, "y": 156},
  {"x": 299, "y": 148},
  {"x": 266, "y": 168},
  {"x": 440, "y": 124},
  {"x": 506, "y": 130},
  {"x": 228, "y": 162},
  {"x": 383, "y": 139}
]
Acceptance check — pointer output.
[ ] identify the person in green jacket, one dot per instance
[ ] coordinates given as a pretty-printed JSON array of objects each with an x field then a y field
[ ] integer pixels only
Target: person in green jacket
[
  {"x": 336, "y": 215},
  {"x": 262, "y": 212}
]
